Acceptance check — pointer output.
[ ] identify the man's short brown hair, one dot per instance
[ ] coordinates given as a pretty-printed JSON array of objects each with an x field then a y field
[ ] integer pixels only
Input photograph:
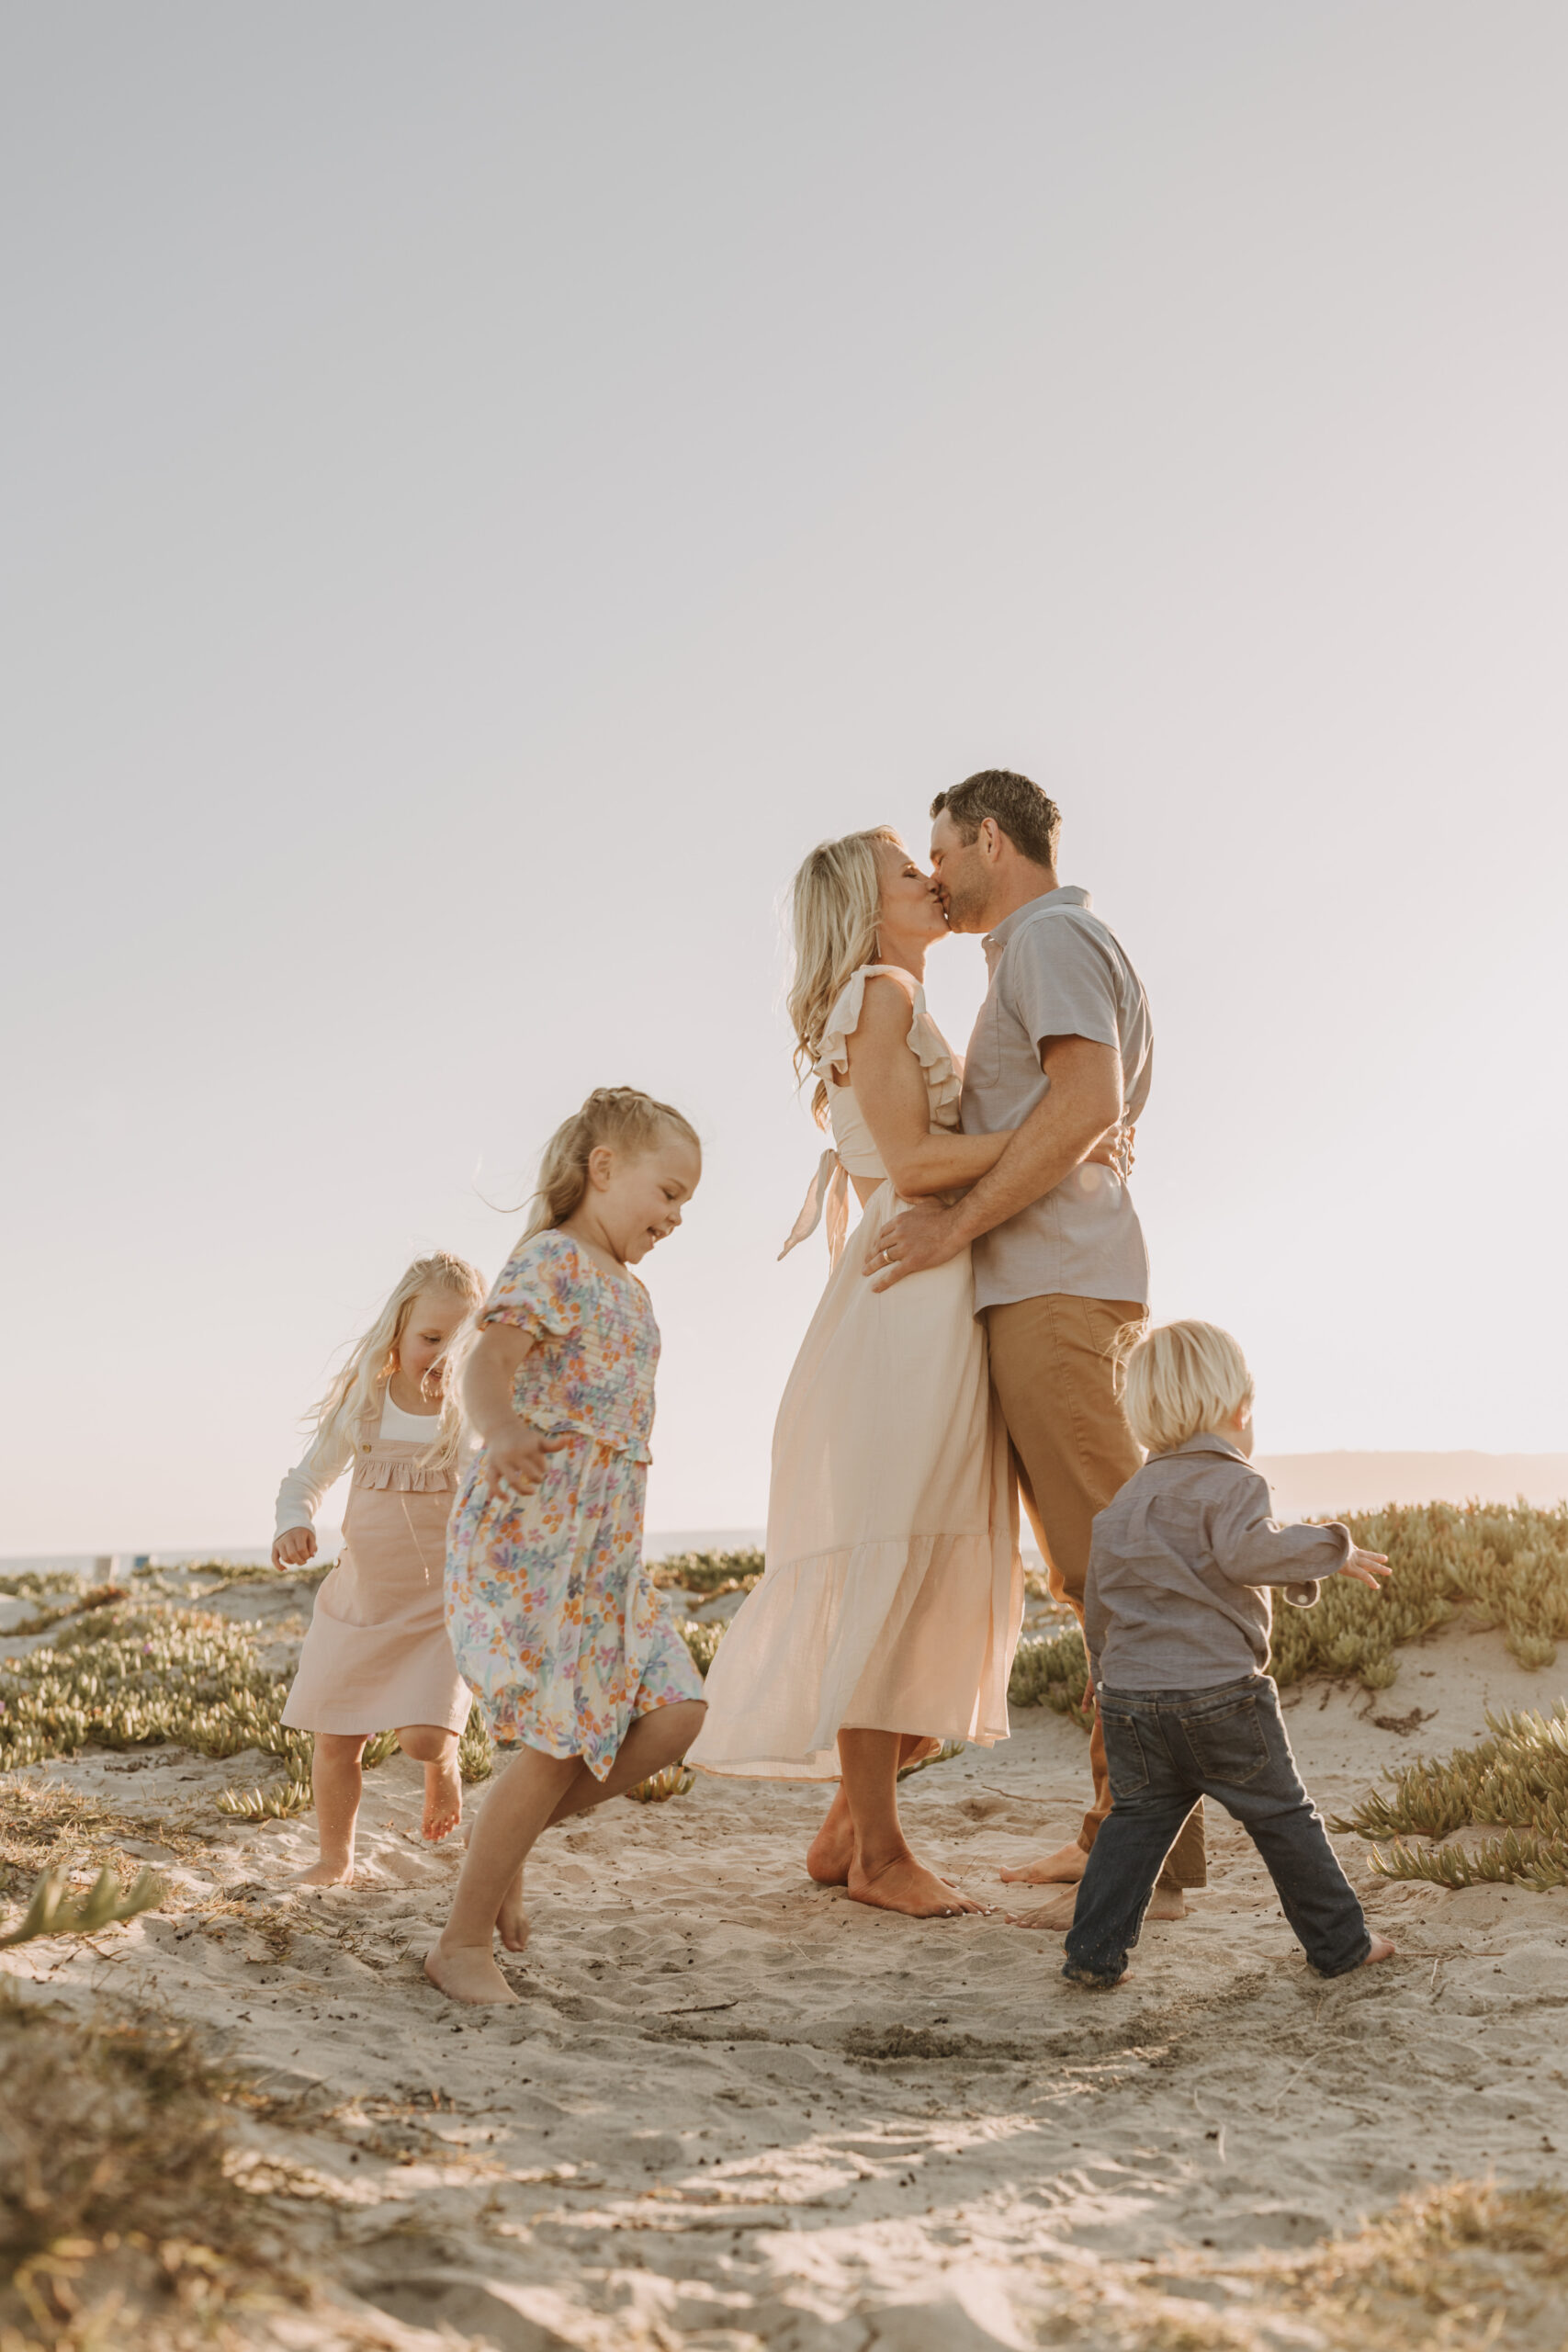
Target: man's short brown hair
[{"x": 1029, "y": 818}]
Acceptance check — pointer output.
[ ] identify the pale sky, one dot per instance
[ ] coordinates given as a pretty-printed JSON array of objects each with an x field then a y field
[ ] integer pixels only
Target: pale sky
[{"x": 490, "y": 486}]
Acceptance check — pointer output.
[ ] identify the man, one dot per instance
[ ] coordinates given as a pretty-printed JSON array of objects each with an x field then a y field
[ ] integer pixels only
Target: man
[{"x": 1063, "y": 1053}]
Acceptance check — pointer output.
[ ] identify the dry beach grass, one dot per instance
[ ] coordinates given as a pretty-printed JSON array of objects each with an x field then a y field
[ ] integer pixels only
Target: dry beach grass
[{"x": 735, "y": 2110}]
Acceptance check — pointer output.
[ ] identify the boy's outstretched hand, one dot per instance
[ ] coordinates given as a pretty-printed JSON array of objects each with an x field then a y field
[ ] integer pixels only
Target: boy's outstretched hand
[{"x": 1368, "y": 1567}]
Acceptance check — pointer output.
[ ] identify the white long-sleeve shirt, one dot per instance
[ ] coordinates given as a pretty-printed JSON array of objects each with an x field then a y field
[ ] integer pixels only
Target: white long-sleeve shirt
[{"x": 299, "y": 1496}]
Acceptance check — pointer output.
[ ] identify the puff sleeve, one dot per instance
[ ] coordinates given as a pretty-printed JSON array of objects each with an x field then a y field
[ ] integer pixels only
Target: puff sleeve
[{"x": 533, "y": 1290}]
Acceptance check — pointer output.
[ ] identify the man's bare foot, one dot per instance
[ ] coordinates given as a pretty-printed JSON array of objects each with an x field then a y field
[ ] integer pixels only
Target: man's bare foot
[
  {"x": 1066, "y": 1864},
  {"x": 904, "y": 1885},
  {"x": 469, "y": 1974},
  {"x": 442, "y": 1797},
  {"x": 1052, "y": 1917},
  {"x": 1164, "y": 1903},
  {"x": 1381, "y": 1950},
  {"x": 324, "y": 1874},
  {"x": 511, "y": 1924},
  {"x": 830, "y": 1852}
]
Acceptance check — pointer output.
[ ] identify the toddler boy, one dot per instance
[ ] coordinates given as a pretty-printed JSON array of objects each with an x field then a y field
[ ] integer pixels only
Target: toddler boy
[{"x": 1176, "y": 1620}]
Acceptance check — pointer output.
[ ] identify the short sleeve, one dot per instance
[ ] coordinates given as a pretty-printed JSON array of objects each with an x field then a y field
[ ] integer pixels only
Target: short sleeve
[
  {"x": 1056, "y": 983},
  {"x": 534, "y": 1290}
]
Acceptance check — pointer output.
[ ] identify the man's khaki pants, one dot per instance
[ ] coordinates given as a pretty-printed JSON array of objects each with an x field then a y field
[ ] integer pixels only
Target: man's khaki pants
[{"x": 1053, "y": 1369}]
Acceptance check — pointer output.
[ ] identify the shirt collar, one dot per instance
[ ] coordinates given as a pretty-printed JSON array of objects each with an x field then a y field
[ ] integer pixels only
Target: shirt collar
[
  {"x": 1206, "y": 1442},
  {"x": 1068, "y": 895}
]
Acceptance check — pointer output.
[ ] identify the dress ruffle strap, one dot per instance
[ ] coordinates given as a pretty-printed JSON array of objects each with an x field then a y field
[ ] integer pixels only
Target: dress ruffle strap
[
  {"x": 942, "y": 1072},
  {"x": 828, "y": 1194}
]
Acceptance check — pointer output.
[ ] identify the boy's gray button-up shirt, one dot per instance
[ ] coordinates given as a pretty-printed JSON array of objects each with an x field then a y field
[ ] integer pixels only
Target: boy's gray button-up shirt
[
  {"x": 1057, "y": 971},
  {"x": 1183, "y": 1558}
]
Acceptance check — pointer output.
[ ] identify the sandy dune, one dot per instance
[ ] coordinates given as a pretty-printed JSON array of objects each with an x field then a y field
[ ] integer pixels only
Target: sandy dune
[{"x": 733, "y": 2108}]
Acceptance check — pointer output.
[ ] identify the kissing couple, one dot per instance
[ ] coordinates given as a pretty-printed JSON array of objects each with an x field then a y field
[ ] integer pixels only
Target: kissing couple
[{"x": 966, "y": 1350}]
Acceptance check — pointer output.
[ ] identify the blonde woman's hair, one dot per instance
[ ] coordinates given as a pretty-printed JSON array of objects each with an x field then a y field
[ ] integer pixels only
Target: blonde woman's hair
[
  {"x": 618, "y": 1117},
  {"x": 835, "y": 906},
  {"x": 1182, "y": 1378},
  {"x": 352, "y": 1405}
]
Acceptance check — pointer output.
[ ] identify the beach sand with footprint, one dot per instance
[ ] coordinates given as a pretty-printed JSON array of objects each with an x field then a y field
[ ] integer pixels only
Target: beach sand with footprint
[{"x": 737, "y": 2109}]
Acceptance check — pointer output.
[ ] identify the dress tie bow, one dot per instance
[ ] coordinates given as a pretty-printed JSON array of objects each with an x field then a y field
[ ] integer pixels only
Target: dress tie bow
[{"x": 829, "y": 1192}]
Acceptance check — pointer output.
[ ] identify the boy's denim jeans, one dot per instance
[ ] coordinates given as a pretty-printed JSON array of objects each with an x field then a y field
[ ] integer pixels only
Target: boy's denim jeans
[{"x": 1166, "y": 1748}]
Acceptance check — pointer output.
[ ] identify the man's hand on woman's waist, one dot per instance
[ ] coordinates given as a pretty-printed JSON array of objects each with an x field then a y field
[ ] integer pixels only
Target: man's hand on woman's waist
[{"x": 924, "y": 1236}]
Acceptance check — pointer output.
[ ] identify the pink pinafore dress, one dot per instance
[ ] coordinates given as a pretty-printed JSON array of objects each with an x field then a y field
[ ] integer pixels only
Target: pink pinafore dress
[{"x": 377, "y": 1656}]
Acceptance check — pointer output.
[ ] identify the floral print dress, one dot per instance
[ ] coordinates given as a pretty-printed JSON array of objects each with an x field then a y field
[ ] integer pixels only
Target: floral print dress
[{"x": 555, "y": 1624}]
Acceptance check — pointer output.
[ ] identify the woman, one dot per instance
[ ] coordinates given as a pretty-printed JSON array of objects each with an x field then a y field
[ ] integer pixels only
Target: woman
[{"x": 890, "y": 1606}]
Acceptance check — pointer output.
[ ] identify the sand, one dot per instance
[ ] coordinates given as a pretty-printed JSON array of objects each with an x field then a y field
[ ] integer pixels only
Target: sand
[{"x": 733, "y": 2108}]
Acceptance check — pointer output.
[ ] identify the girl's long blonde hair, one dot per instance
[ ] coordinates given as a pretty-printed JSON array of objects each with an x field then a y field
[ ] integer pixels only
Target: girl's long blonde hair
[
  {"x": 617, "y": 1116},
  {"x": 351, "y": 1409},
  {"x": 835, "y": 906}
]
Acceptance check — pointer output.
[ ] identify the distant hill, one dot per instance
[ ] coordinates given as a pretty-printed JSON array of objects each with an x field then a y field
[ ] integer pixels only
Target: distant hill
[
  {"x": 1307, "y": 1486},
  {"x": 1312, "y": 1484}
]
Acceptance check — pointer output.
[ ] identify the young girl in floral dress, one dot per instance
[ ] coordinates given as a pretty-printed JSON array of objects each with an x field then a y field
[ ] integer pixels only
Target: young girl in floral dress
[
  {"x": 553, "y": 1618},
  {"x": 377, "y": 1653}
]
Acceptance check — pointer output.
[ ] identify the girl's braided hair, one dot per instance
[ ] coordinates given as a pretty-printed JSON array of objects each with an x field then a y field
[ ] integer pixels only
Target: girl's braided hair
[{"x": 617, "y": 1116}]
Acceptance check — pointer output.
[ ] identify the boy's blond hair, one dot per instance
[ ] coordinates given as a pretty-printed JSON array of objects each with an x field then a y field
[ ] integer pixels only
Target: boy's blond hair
[{"x": 1182, "y": 1378}]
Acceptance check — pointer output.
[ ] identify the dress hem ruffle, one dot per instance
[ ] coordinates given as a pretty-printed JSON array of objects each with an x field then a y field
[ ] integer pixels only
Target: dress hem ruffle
[{"x": 836, "y": 1617}]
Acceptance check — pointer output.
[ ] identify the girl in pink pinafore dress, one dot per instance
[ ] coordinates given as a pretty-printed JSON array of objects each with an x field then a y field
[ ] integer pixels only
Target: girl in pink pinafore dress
[{"x": 377, "y": 1656}]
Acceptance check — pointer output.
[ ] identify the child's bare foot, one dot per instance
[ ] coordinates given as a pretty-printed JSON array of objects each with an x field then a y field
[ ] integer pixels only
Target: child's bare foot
[
  {"x": 1164, "y": 1903},
  {"x": 469, "y": 1974},
  {"x": 511, "y": 1921},
  {"x": 442, "y": 1797},
  {"x": 1051, "y": 1870},
  {"x": 902, "y": 1885},
  {"x": 830, "y": 1852},
  {"x": 1381, "y": 1950},
  {"x": 324, "y": 1874}
]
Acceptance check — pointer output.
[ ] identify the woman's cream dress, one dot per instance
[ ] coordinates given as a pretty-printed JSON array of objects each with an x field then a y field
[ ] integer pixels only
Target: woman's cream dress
[{"x": 894, "y": 1592}]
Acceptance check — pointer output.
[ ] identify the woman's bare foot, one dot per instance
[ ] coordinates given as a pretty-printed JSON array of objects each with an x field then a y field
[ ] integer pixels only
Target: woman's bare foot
[
  {"x": 1066, "y": 1864},
  {"x": 324, "y": 1874},
  {"x": 442, "y": 1797},
  {"x": 1381, "y": 1950},
  {"x": 511, "y": 1921},
  {"x": 1164, "y": 1903},
  {"x": 469, "y": 1974},
  {"x": 830, "y": 1852},
  {"x": 903, "y": 1884}
]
